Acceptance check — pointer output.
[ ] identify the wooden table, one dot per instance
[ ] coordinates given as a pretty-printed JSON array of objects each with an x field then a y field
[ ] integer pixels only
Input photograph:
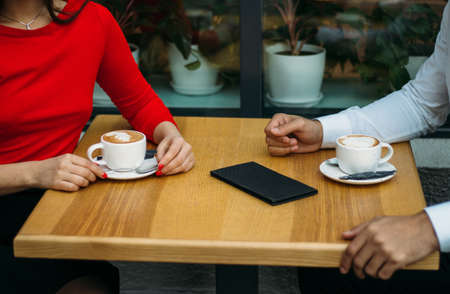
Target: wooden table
[{"x": 195, "y": 218}]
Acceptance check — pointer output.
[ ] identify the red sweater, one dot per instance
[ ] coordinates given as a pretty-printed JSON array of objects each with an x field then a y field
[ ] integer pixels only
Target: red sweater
[{"x": 47, "y": 78}]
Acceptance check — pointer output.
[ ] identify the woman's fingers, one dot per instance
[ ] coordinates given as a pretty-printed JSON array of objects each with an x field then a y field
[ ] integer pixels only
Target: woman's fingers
[
  {"x": 175, "y": 165},
  {"x": 67, "y": 181},
  {"x": 187, "y": 165},
  {"x": 83, "y": 172},
  {"x": 86, "y": 164},
  {"x": 173, "y": 148},
  {"x": 75, "y": 179},
  {"x": 66, "y": 186},
  {"x": 67, "y": 172},
  {"x": 162, "y": 149},
  {"x": 79, "y": 173}
]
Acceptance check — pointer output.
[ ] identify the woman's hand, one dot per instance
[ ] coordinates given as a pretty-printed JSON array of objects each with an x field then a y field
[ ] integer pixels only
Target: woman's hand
[
  {"x": 67, "y": 172},
  {"x": 174, "y": 154}
]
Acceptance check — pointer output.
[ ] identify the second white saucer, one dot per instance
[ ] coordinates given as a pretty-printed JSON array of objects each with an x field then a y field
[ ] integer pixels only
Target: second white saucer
[{"x": 335, "y": 173}]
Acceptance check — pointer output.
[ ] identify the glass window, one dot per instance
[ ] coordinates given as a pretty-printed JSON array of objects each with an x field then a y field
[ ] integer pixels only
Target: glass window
[
  {"x": 322, "y": 56},
  {"x": 349, "y": 52},
  {"x": 188, "y": 50}
]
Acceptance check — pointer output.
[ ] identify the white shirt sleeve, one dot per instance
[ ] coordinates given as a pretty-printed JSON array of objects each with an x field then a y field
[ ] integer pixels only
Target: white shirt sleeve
[
  {"x": 440, "y": 219},
  {"x": 418, "y": 108}
]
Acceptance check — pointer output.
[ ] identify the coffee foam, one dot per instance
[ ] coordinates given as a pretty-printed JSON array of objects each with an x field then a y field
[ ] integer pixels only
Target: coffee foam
[
  {"x": 359, "y": 142},
  {"x": 120, "y": 136}
]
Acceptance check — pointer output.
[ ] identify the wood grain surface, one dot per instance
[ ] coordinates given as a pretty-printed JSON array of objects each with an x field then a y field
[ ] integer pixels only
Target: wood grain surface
[{"x": 196, "y": 218}]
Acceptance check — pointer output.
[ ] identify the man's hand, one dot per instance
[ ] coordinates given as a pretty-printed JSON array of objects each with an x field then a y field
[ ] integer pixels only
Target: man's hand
[
  {"x": 386, "y": 244},
  {"x": 287, "y": 134}
]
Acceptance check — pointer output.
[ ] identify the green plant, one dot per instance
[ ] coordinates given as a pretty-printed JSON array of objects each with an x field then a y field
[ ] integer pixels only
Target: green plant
[
  {"x": 169, "y": 20},
  {"x": 387, "y": 36},
  {"x": 288, "y": 12},
  {"x": 341, "y": 42},
  {"x": 176, "y": 28},
  {"x": 422, "y": 27},
  {"x": 301, "y": 22},
  {"x": 407, "y": 31}
]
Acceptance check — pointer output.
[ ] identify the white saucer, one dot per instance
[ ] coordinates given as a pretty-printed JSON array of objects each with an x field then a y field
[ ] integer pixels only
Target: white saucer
[
  {"x": 333, "y": 172},
  {"x": 283, "y": 102},
  {"x": 130, "y": 175},
  {"x": 197, "y": 91}
]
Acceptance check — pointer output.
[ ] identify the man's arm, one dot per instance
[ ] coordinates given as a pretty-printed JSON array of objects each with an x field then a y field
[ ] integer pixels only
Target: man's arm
[{"x": 384, "y": 245}]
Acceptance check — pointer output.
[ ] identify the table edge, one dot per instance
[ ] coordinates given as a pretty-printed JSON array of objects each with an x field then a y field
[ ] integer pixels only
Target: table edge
[{"x": 307, "y": 254}]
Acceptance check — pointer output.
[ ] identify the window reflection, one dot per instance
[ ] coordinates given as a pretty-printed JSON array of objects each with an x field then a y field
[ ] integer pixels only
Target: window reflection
[
  {"x": 186, "y": 48},
  {"x": 378, "y": 44},
  {"x": 196, "y": 43}
]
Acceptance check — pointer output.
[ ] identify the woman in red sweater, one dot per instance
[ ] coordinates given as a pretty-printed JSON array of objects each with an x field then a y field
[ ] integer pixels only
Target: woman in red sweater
[{"x": 51, "y": 54}]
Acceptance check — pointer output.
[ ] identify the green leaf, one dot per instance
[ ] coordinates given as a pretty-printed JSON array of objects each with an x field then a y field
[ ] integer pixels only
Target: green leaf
[
  {"x": 398, "y": 76},
  {"x": 366, "y": 72},
  {"x": 193, "y": 65},
  {"x": 419, "y": 9}
]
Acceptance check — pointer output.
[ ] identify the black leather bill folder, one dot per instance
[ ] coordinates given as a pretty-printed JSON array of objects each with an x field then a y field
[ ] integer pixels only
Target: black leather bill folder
[{"x": 263, "y": 183}]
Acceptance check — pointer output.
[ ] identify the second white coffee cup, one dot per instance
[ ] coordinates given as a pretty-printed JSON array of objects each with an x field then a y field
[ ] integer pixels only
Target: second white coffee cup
[
  {"x": 122, "y": 157},
  {"x": 360, "y": 153}
]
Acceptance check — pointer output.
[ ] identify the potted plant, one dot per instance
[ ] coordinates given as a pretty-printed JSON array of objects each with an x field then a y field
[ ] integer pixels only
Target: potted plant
[
  {"x": 179, "y": 28},
  {"x": 191, "y": 71},
  {"x": 294, "y": 68},
  {"x": 190, "y": 44}
]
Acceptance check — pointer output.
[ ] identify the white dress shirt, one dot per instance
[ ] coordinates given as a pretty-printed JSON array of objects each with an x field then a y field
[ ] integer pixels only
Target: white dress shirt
[{"x": 418, "y": 108}]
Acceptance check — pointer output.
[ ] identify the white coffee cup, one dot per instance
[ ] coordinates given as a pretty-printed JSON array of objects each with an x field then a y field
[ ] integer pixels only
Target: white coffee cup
[
  {"x": 360, "y": 153},
  {"x": 124, "y": 154}
]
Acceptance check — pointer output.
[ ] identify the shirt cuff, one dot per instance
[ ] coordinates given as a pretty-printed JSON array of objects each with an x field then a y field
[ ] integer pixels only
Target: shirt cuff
[
  {"x": 334, "y": 126},
  {"x": 440, "y": 219}
]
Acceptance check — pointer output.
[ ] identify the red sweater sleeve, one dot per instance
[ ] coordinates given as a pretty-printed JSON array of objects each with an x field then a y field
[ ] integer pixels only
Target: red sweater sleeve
[{"x": 121, "y": 79}]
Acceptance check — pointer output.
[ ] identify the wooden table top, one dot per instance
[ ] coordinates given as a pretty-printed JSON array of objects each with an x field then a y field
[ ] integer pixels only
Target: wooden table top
[{"x": 195, "y": 218}]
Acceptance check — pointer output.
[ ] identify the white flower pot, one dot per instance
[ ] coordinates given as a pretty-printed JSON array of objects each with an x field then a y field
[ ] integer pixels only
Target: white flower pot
[
  {"x": 200, "y": 81},
  {"x": 295, "y": 80},
  {"x": 414, "y": 64},
  {"x": 100, "y": 97}
]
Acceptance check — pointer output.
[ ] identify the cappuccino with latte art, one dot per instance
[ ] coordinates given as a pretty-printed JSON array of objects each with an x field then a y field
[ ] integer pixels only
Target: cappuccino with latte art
[
  {"x": 358, "y": 141},
  {"x": 122, "y": 137},
  {"x": 361, "y": 153},
  {"x": 122, "y": 150}
]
